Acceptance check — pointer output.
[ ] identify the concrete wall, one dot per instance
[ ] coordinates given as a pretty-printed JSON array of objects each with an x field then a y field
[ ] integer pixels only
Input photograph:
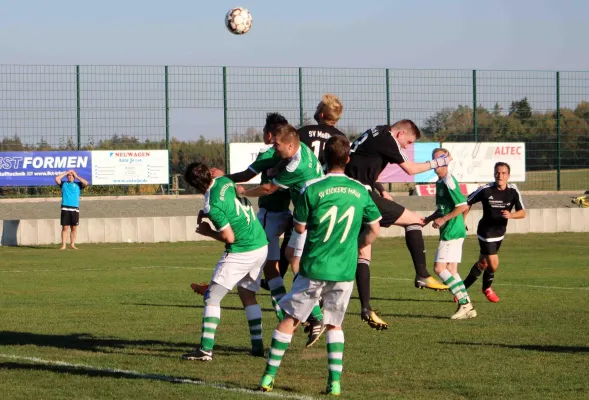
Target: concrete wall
[{"x": 31, "y": 232}]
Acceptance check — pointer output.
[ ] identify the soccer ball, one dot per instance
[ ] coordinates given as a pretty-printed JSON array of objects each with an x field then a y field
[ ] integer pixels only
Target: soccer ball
[{"x": 238, "y": 20}]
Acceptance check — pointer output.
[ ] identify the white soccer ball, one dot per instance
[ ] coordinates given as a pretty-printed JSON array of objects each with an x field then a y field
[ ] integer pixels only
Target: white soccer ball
[{"x": 238, "y": 20}]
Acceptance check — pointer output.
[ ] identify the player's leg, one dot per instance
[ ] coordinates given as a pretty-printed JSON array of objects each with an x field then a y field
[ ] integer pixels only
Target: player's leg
[
  {"x": 395, "y": 214},
  {"x": 488, "y": 260},
  {"x": 367, "y": 314},
  {"x": 274, "y": 224},
  {"x": 74, "y": 221},
  {"x": 336, "y": 297},
  {"x": 448, "y": 256},
  {"x": 489, "y": 274},
  {"x": 297, "y": 305},
  {"x": 65, "y": 224}
]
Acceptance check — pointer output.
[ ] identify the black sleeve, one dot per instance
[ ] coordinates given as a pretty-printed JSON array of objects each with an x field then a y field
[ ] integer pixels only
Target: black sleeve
[
  {"x": 476, "y": 196},
  {"x": 518, "y": 201},
  {"x": 379, "y": 188},
  {"x": 242, "y": 176}
]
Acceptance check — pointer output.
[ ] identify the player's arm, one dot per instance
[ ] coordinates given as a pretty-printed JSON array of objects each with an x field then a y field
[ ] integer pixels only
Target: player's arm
[
  {"x": 414, "y": 168},
  {"x": 83, "y": 181},
  {"x": 301, "y": 212},
  {"x": 381, "y": 190},
  {"x": 439, "y": 221},
  {"x": 242, "y": 176},
  {"x": 520, "y": 211},
  {"x": 436, "y": 214},
  {"x": 460, "y": 203},
  {"x": 371, "y": 217},
  {"x": 59, "y": 177},
  {"x": 223, "y": 234},
  {"x": 262, "y": 190}
]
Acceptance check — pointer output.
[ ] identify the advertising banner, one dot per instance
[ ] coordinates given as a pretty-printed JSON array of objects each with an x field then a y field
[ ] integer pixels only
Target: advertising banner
[
  {"x": 241, "y": 155},
  {"x": 130, "y": 167}
]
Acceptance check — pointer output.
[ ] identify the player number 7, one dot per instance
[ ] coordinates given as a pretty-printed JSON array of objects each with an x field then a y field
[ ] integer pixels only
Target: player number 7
[{"x": 332, "y": 215}]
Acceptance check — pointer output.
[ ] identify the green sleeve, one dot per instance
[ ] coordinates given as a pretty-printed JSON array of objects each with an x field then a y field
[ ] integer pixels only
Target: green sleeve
[
  {"x": 218, "y": 218},
  {"x": 455, "y": 193},
  {"x": 371, "y": 213},
  {"x": 264, "y": 162},
  {"x": 285, "y": 179},
  {"x": 301, "y": 212}
]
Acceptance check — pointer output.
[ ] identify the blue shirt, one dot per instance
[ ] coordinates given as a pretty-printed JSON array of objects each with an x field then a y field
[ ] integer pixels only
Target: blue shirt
[{"x": 70, "y": 194}]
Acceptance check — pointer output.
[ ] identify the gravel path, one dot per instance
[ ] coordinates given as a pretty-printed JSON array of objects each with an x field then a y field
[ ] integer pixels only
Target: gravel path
[{"x": 158, "y": 206}]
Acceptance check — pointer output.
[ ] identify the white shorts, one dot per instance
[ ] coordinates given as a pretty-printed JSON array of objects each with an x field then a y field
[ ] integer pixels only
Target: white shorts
[
  {"x": 242, "y": 269},
  {"x": 305, "y": 293},
  {"x": 297, "y": 242},
  {"x": 449, "y": 251},
  {"x": 275, "y": 224}
]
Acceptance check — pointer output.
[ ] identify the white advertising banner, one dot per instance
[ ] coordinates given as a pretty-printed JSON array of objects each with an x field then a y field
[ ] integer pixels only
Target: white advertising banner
[
  {"x": 241, "y": 155},
  {"x": 474, "y": 162},
  {"x": 130, "y": 167}
]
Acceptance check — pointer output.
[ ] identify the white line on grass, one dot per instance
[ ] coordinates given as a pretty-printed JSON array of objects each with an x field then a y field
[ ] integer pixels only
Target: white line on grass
[{"x": 157, "y": 377}]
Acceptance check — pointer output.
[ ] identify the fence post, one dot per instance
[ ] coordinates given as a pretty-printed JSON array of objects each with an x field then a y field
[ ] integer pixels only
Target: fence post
[
  {"x": 78, "y": 126},
  {"x": 225, "y": 120},
  {"x": 301, "y": 119},
  {"x": 474, "y": 106},
  {"x": 168, "y": 126},
  {"x": 558, "y": 138},
  {"x": 388, "y": 85}
]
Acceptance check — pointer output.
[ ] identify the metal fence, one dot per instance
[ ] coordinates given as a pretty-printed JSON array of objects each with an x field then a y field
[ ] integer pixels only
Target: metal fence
[{"x": 117, "y": 107}]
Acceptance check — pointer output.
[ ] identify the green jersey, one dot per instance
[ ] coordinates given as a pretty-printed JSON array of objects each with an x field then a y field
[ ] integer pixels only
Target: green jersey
[
  {"x": 302, "y": 168},
  {"x": 277, "y": 201},
  {"x": 333, "y": 208},
  {"x": 448, "y": 197},
  {"x": 224, "y": 208}
]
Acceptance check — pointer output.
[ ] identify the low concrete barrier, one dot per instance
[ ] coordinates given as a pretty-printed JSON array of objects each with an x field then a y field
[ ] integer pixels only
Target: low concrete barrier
[{"x": 32, "y": 232}]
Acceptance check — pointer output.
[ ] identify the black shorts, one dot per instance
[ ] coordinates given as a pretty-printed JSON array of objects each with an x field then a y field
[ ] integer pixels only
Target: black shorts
[
  {"x": 389, "y": 210},
  {"x": 70, "y": 218},
  {"x": 489, "y": 248}
]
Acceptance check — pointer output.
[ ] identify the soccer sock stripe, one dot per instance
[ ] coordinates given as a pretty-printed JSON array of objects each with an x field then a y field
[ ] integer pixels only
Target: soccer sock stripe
[
  {"x": 277, "y": 292},
  {"x": 316, "y": 313},
  {"x": 254, "y": 321},
  {"x": 465, "y": 297},
  {"x": 335, "y": 353},
  {"x": 210, "y": 320},
  {"x": 456, "y": 286},
  {"x": 280, "y": 342}
]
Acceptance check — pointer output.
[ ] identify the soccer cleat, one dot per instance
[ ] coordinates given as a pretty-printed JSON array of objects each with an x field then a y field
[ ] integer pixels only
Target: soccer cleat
[
  {"x": 200, "y": 288},
  {"x": 373, "y": 320},
  {"x": 333, "y": 388},
  {"x": 491, "y": 295},
  {"x": 267, "y": 383},
  {"x": 198, "y": 354},
  {"x": 429, "y": 283},
  {"x": 316, "y": 330},
  {"x": 464, "y": 311}
]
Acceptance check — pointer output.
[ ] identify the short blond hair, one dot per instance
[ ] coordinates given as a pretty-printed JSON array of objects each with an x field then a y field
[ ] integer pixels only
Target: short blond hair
[
  {"x": 331, "y": 107},
  {"x": 443, "y": 150}
]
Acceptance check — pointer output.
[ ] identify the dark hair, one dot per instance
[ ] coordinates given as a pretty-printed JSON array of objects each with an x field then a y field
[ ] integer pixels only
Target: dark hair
[
  {"x": 337, "y": 150},
  {"x": 407, "y": 125},
  {"x": 273, "y": 121},
  {"x": 198, "y": 176},
  {"x": 502, "y": 164},
  {"x": 287, "y": 133}
]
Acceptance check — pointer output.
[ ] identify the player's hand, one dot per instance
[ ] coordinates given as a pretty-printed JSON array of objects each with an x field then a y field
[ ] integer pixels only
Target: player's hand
[
  {"x": 216, "y": 172},
  {"x": 239, "y": 189},
  {"x": 506, "y": 214},
  {"x": 204, "y": 229},
  {"x": 438, "y": 222},
  {"x": 386, "y": 195}
]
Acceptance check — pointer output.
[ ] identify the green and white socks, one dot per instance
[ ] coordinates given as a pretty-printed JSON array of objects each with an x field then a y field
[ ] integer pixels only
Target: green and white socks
[
  {"x": 456, "y": 286},
  {"x": 210, "y": 321},
  {"x": 277, "y": 292},
  {"x": 280, "y": 342},
  {"x": 254, "y": 320},
  {"x": 335, "y": 354}
]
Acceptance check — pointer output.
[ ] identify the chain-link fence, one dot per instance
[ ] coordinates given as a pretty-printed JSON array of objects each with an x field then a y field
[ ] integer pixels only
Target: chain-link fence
[{"x": 194, "y": 112}]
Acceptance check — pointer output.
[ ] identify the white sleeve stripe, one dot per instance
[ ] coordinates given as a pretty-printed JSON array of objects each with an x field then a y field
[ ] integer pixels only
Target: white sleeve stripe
[
  {"x": 461, "y": 204},
  {"x": 278, "y": 184},
  {"x": 473, "y": 194},
  {"x": 299, "y": 222},
  {"x": 375, "y": 221},
  {"x": 521, "y": 201},
  {"x": 253, "y": 170},
  {"x": 223, "y": 228}
]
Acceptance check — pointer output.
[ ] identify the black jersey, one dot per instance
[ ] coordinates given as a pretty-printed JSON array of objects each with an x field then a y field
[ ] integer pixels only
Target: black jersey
[
  {"x": 315, "y": 137},
  {"x": 493, "y": 225},
  {"x": 371, "y": 153}
]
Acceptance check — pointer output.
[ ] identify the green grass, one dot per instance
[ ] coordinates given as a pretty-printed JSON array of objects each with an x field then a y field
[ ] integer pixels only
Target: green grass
[{"x": 129, "y": 307}]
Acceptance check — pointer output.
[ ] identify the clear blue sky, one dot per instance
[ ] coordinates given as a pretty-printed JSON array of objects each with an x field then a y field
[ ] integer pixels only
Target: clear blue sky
[{"x": 499, "y": 34}]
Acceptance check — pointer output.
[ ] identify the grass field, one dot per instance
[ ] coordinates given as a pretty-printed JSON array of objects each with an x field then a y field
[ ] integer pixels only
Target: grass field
[{"x": 112, "y": 321}]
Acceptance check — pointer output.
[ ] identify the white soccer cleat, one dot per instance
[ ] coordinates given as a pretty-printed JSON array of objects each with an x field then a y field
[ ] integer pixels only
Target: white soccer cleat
[{"x": 465, "y": 311}]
